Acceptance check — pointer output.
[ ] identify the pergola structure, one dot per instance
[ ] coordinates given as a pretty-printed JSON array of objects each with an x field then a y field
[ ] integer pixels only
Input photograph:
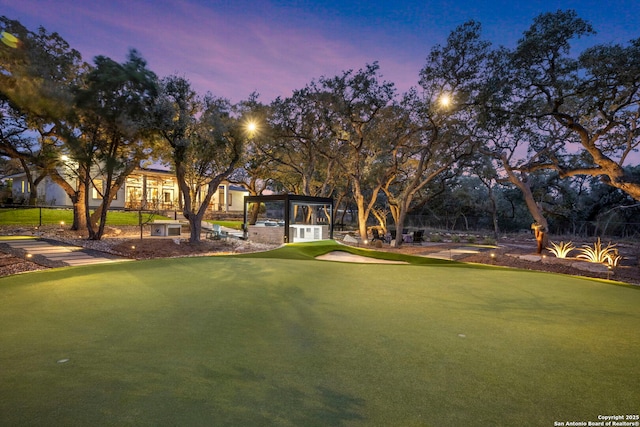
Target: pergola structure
[{"x": 288, "y": 218}]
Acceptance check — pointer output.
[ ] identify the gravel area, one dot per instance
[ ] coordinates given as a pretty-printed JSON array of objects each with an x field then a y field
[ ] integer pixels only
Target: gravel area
[
  {"x": 122, "y": 242},
  {"x": 10, "y": 265},
  {"x": 510, "y": 250}
]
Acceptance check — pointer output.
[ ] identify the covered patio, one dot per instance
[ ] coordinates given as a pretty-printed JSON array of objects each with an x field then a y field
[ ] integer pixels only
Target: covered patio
[{"x": 284, "y": 218}]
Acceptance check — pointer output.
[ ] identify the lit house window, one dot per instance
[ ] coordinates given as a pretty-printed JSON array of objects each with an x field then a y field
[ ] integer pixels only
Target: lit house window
[
  {"x": 98, "y": 190},
  {"x": 95, "y": 193}
]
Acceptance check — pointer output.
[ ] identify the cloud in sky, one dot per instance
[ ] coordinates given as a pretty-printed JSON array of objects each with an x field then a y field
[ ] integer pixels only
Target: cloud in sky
[
  {"x": 233, "y": 48},
  {"x": 228, "y": 51}
]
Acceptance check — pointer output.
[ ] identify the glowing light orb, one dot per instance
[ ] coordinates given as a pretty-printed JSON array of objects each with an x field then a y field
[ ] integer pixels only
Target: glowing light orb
[
  {"x": 251, "y": 127},
  {"x": 445, "y": 100},
  {"x": 9, "y": 39}
]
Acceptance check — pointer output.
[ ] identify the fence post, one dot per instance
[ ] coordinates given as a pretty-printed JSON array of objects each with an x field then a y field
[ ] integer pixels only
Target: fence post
[{"x": 40, "y": 225}]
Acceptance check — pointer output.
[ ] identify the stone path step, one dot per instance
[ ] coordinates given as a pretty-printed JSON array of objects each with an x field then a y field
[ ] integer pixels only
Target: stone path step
[
  {"x": 66, "y": 255},
  {"x": 453, "y": 254}
]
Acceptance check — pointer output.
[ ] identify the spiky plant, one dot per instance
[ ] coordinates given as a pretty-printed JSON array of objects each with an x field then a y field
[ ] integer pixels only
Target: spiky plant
[
  {"x": 599, "y": 254},
  {"x": 613, "y": 258},
  {"x": 562, "y": 249}
]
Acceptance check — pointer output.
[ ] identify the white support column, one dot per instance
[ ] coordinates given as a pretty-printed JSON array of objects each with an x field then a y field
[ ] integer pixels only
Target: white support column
[{"x": 226, "y": 198}]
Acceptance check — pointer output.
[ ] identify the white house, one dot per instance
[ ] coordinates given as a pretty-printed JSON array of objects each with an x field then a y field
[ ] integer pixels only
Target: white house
[{"x": 152, "y": 189}]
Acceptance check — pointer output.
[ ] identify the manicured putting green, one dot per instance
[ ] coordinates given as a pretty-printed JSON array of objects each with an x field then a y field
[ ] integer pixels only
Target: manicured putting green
[{"x": 269, "y": 340}]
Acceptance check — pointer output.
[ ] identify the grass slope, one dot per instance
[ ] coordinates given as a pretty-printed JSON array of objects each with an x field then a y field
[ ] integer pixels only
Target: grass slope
[
  {"x": 264, "y": 340},
  {"x": 311, "y": 250}
]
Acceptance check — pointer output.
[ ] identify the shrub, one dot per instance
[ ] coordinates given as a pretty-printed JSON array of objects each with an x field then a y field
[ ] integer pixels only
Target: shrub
[
  {"x": 455, "y": 238},
  {"x": 562, "y": 249},
  {"x": 435, "y": 238},
  {"x": 489, "y": 241},
  {"x": 471, "y": 239}
]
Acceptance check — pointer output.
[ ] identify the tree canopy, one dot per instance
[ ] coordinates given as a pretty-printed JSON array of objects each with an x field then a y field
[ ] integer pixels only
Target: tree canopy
[{"x": 554, "y": 124}]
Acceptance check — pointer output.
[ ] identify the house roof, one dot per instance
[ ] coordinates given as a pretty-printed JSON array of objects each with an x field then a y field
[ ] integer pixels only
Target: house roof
[
  {"x": 237, "y": 188},
  {"x": 145, "y": 171},
  {"x": 15, "y": 175}
]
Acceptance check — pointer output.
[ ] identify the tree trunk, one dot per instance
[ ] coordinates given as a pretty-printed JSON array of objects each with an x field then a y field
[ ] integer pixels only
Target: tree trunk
[
  {"x": 402, "y": 215},
  {"x": 402, "y": 209},
  {"x": 253, "y": 213},
  {"x": 189, "y": 208},
  {"x": 364, "y": 211},
  {"x": 77, "y": 196},
  {"x": 362, "y": 217},
  {"x": 532, "y": 206},
  {"x": 195, "y": 225},
  {"x": 99, "y": 217},
  {"x": 79, "y": 211},
  {"x": 87, "y": 211},
  {"x": 494, "y": 213}
]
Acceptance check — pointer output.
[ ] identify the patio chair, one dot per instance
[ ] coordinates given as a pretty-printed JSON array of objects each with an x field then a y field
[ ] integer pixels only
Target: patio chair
[{"x": 216, "y": 233}]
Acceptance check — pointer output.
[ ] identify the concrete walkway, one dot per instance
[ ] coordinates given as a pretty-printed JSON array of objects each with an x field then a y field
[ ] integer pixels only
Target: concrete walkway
[{"x": 51, "y": 254}]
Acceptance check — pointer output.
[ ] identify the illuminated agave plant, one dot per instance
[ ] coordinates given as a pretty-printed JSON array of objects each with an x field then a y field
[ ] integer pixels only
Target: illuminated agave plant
[
  {"x": 607, "y": 255},
  {"x": 562, "y": 249},
  {"x": 613, "y": 259}
]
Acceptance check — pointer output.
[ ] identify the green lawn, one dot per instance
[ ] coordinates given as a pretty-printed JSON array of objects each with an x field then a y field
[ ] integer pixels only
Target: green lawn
[
  {"x": 31, "y": 216},
  {"x": 229, "y": 224},
  {"x": 281, "y": 339}
]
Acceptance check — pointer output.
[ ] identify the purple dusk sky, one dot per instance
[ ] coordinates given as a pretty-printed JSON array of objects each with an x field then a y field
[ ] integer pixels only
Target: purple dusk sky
[{"x": 234, "y": 47}]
